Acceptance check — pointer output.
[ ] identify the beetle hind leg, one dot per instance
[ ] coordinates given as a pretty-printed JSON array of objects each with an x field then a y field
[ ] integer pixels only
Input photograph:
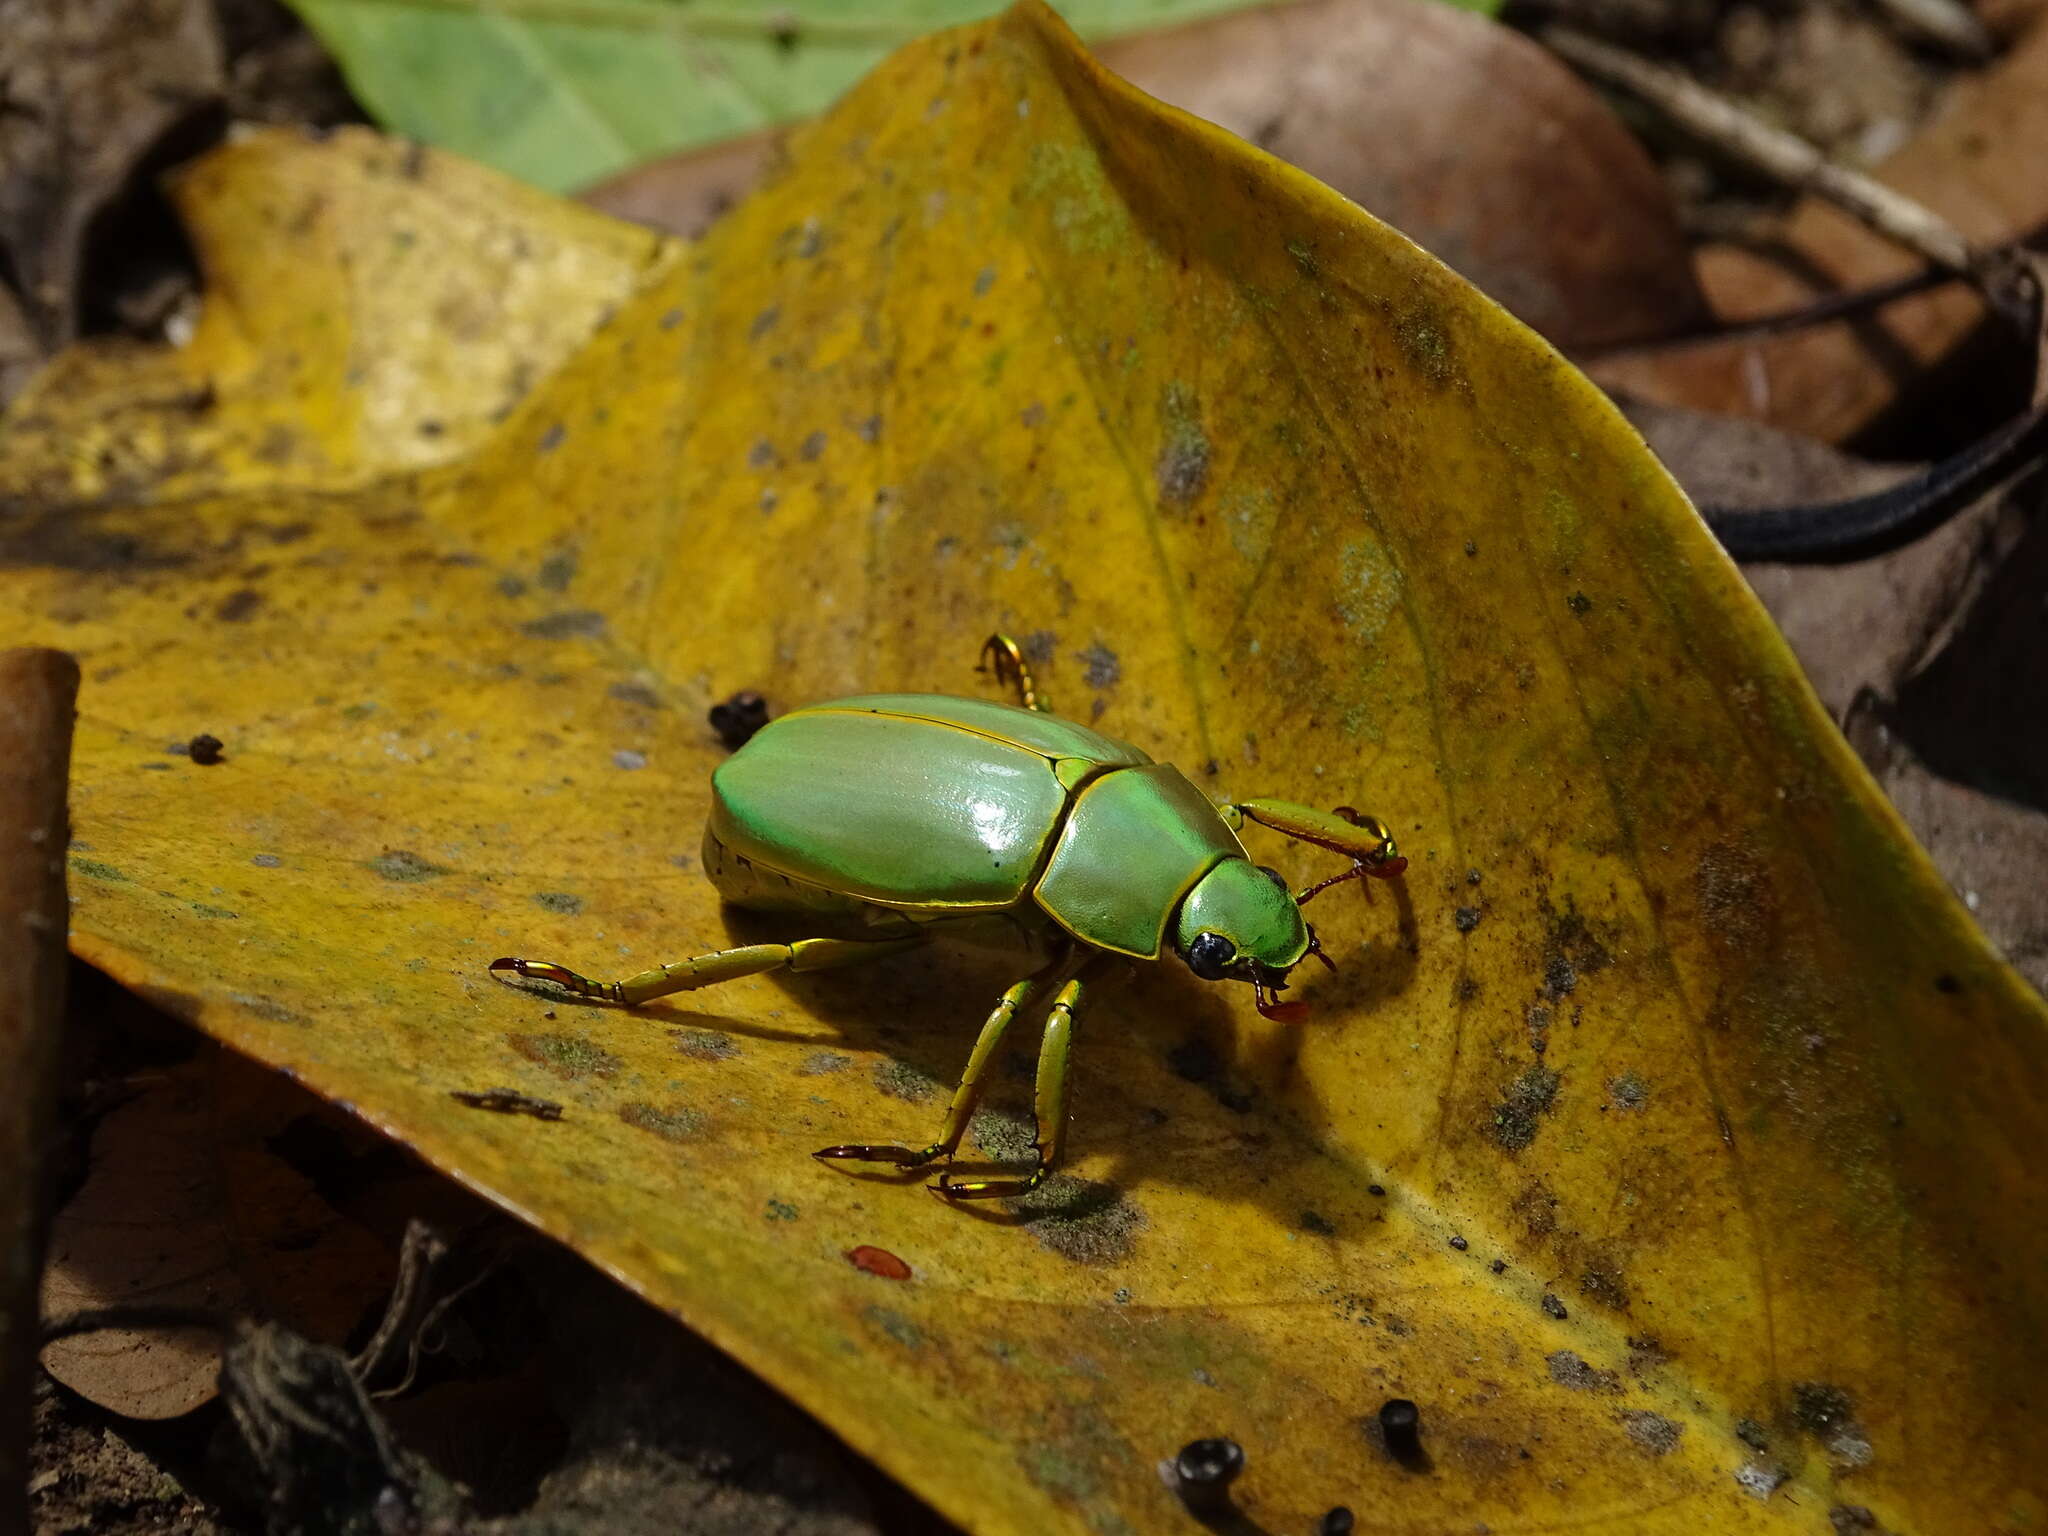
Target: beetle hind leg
[
  {"x": 1005, "y": 657},
  {"x": 708, "y": 970},
  {"x": 1050, "y": 1102},
  {"x": 965, "y": 1097}
]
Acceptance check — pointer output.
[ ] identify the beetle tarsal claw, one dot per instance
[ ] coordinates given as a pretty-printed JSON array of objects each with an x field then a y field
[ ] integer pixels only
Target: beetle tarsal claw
[{"x": 545, "y": 970}]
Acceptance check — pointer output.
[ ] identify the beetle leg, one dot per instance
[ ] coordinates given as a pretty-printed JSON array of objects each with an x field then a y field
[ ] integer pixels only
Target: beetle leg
[
  {"x": 709, "y": 970},
  {"x": 965, "y": 1097},
  {"x": 1006, "y": 657},
  {"x": 1050, "y": 1102},
  {"x": 1365, "y": 840}
]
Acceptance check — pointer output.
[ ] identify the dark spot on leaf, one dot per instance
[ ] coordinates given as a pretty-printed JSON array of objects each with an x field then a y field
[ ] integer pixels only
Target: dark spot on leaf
[
  {"x": 1603, "y": 1283},
  {"x": 204, "y": 750},
  {"x": 1183, "y": 465},
  {"x": 1751, "y": 1434},
  {"x": 1524, "y": 1103},
  {"x": 508, "y": 1101},
  {"x": 556, "y": 572},
  {"x": 402, "y": 864},
  {"x": 1946, "y": 983},
  {"x": 266, "y": 861},
  {"x": 812, "y": 448},
  {"x": 1317, "y": 1225},
  {"x": 1579, "y": 603},
  {"x": 780, "y": 1210},
  {"x": 95, "y": 869},
  {"x": 237, "y": 606},
  {"x": 551, "y": 439},
  {"x": 984, "y": 280},
  {"x": 567, "y": 1056},
  {"x": 566, "y": 625},
  {"x": 1568, "y": 1370},
  {"x": 1554, "y": 1308},
  {"x": 1467, "y": 918},
  {"x": 675, "y": 1123},
  {"x": 1460, "y": 1244},
  {"x": 635, "y": 693},
  {"x": 764, "y": 322},
  {"x": 1103, "y": 667},
  {"x": 512, "y": 586},
  {"x": 558, "y": 901},
  {"x": 705, "y": 1044},
  {"x": 1558, "y": 977},
  {"x": 1652, "y": 1431},
  {"x": 896, "y": 1326},
  {"x": 1735, "y": 897}
]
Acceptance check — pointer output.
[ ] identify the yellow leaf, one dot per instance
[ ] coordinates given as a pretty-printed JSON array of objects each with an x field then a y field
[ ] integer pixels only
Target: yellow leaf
[{"x": 1666, "y": 1134}]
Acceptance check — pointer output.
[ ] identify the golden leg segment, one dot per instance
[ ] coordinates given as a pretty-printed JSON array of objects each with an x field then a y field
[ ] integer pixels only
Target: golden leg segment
[
  {"x": 709, "y": 970},
  {"x": 1007, "y": 658},
  {"x": 1050, "y": 1102},
  {"x": 965, "y": 1097}
]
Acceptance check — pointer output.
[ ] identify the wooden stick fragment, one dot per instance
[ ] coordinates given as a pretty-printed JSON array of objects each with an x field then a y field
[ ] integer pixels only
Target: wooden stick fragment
[
  {"x": 1782, "y": 156},
  {"x": 37, "y": 692}
]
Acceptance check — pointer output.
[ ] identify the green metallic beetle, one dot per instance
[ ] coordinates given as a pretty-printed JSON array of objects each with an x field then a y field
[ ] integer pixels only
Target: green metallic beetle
[{"x": 889, "y": 819}]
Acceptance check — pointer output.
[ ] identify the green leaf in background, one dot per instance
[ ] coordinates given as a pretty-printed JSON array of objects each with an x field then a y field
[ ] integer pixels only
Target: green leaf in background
[{"x": 561, "y": 93}]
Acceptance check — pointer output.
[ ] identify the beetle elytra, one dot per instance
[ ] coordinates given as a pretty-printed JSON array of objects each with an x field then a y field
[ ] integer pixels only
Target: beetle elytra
[{"x": 886, "y": 820}]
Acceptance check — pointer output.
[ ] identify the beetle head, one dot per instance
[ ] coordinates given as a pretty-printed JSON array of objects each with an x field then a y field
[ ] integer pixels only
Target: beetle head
[{"x": 1240, "y": 924}]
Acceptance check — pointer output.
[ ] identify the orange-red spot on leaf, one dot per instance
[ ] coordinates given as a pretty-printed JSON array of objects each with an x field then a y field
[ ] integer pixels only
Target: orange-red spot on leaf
[{"x": 878, "y": 1261}]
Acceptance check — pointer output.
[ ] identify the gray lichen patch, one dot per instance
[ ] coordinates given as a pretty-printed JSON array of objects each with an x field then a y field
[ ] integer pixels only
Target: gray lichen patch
[
  {"x": 1829, "y": 1415},
  {"x": 1524, "y": 1103},
  {"x": 1628, "y": 1092},
  {"x": 404, "y": 866},
  {"x": 1083, "y": 1219},
  {"x": 675, "y": 1122},
  {"x": 1183, "y": 465},
  {"x": 558, "y": 901},
  {"x": 819, "y": 1063},
  {"x": 705, "y": 1044},
  {"x": 1568, "y": 1370},
  {"x": 567, "y": 1056},
  {"x": 1004, "y": 1134},
  {"x": 901, "y": 1079},
  {"x": 1652, "y": 1431}
]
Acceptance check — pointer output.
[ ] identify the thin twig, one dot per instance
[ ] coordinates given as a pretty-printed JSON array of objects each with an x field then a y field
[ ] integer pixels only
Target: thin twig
[
  {"x": 1944, "y": 23},
  {"x": 37, "y": 692},
  {"x": 1782, "y": 156}
]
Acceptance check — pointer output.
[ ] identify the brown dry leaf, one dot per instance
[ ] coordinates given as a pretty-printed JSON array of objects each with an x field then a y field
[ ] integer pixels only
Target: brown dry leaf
[
  {"x": 1978, "y": 163},
  {"x": 189, "y": 1204},
  {"x": 1468, "y": 138},
  {"x": 1888, "y": 644},
  {"x": 89, "y": 91},
  {"x": 146, "y": 1230},
  {"x": 1669, "y": 1021}
]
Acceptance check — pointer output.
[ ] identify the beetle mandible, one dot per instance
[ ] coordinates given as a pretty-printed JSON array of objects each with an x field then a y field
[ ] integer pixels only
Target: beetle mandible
[{"x": 889, "y": 819}]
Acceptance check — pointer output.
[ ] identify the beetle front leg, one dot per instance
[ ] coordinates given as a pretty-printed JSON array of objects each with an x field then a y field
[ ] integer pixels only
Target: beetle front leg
[
  {"x": 709, "y": 970},
  {"x": 965, "y": 1097},
  {"x": 1050, "y": 1103},
  {"x": 1365, "y": 840}
]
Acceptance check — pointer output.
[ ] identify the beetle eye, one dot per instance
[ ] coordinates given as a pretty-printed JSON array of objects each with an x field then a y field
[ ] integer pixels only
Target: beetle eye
[
  {"x": 1210, "y": 954},
  {"x": 1274, "y": 875}
]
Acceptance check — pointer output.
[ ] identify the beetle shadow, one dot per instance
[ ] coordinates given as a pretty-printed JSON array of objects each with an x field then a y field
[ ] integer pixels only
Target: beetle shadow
[{"x": 1171, "y": 1081}]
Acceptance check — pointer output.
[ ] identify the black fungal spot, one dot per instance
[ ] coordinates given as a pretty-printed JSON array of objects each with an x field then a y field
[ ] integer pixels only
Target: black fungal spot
[
  {"x": 1524, "y": 1103},
  {"x": 567, "y": 1056},
  {"x": 238, "y": 605},
  {"x": 1467, "y": 918},
  {"x": 558, "y": 901},
  {"x": 551, "y": 439},
  {"x": 508, "y": 1101},
  {"x": 1558, "y": 977},
  {"x": 1203, "y": 1473},
  {"x": 1460, "y": 1244},
  {"x": 1554, "y": 1308},
  {"x": 1317, "y": 1225},
  {"x": 1379, "y": 1191},
  {"x": 1338, "y": 1522},
  {"x": 1398, "y": 1429},
  {"x": 204, "y": 750},
  {"x": 736, "y": 720},
  {"x": 675, "y": 1123},
  {"x": 565, "y": 626},
  {"x": 812, "y": 448},
  {"x": 763, "y": 455},
  {"x": 1946, "y": 983},
  {"x": 405, "y": 866},
  {"x": 1579, "y": 604},
  {"x": 1499, "y": 1266}
]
